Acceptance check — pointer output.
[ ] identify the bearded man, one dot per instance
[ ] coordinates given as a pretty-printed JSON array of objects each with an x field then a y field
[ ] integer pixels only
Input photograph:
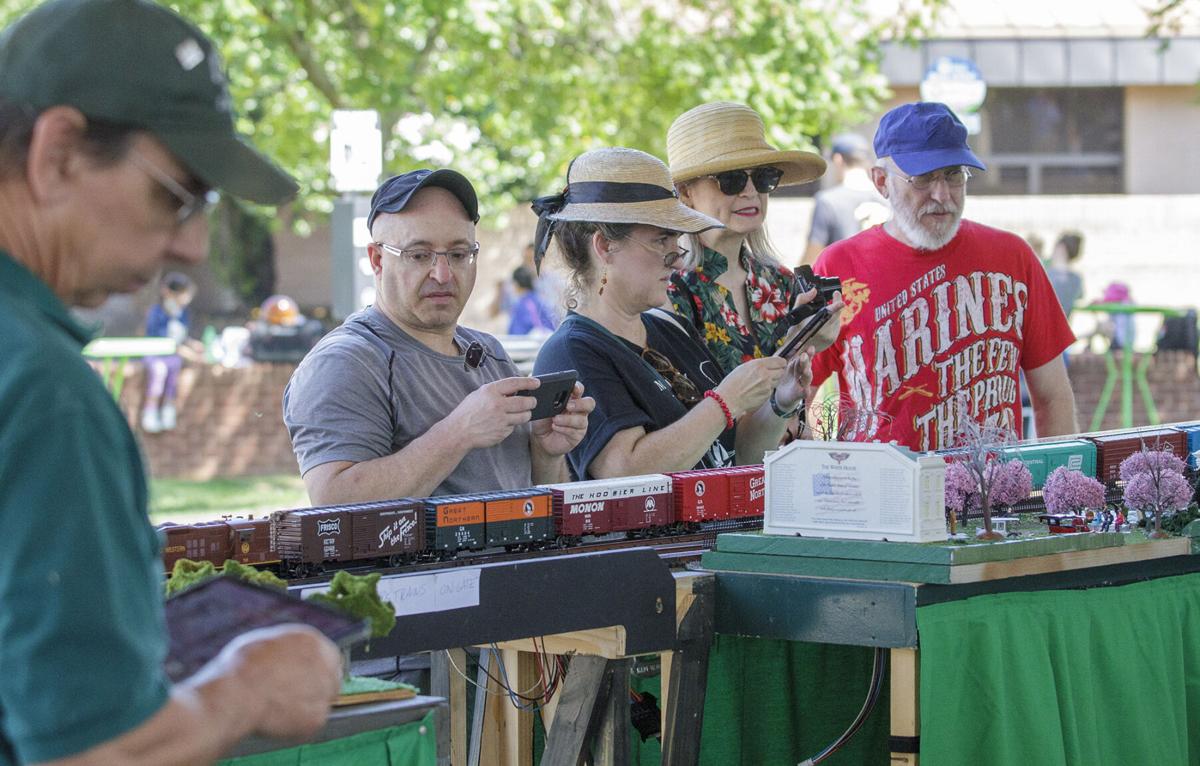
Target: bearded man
[{"x": 942, "y": 314}]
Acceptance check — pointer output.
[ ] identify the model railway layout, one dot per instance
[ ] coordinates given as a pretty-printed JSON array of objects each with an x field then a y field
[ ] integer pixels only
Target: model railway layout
[{"x": 679, "y": 513}]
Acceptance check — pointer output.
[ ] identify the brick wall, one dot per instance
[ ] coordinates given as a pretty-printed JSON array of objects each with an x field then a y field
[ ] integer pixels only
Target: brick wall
[
  {"x": 1174, "y": 384},
  {"x": 230, "y": 423}
]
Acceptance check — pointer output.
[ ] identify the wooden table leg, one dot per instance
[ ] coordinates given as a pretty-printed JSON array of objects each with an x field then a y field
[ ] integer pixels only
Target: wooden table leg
[
  {"x": 906, "y": 712},
  {"x": 446, "y": 681}
]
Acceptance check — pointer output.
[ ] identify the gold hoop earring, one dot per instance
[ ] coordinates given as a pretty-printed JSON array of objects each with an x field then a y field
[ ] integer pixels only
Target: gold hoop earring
[{"x": 603, "y": 280}]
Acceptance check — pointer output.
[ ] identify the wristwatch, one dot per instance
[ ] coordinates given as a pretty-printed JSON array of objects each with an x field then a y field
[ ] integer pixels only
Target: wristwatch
[{"x": 780, "y": 412}]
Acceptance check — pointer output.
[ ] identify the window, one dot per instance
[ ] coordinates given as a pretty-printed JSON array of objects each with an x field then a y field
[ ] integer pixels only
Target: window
[{"x": 1052, "y": 141}]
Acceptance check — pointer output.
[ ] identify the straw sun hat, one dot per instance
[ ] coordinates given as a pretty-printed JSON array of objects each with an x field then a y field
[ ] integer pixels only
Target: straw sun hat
[
  {"x": 617, "y": 185},
  {"x": 713, "y": 138}
]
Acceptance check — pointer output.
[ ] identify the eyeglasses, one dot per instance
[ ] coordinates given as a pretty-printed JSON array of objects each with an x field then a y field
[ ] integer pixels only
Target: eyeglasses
[
  {"x": 190, "y": 205},
  {"x": 683, "y": 388},
  {"x": 954, "y": 178},
  {"x": 424, "y": 258},
  {"x": 765, "y": 179},
  {"x": 476, "y": 354},
  {"x": 668, "y": 257}
]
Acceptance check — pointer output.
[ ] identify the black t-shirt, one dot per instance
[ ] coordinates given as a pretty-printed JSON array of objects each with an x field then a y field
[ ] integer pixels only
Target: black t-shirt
[{"x": 628, "y": 391}]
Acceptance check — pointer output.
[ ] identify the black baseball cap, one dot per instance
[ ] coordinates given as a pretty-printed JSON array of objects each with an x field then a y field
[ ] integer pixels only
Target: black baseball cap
[
  {"x": 394, "y": 193},
  {"x": 136, "y": 63}
]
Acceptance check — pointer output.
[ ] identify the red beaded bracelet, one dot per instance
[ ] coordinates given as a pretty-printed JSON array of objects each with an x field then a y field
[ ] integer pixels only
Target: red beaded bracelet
[{"x": 729, "y": 422}]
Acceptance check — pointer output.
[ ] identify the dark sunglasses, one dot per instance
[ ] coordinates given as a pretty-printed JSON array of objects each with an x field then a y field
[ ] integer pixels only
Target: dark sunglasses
[
  {"x": 475, "y": 355},
  {"x": 683, "y": 388},
  {"x": 765, "y": 179}
]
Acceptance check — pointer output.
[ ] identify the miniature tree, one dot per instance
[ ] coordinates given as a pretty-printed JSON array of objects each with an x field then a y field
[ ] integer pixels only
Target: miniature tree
[
  {"x": 1068, "y": 491},
  {"x": 960, "y": 486},
  {"x": 1011, "y": 482},
  {"x": 1155, "y": 485},
  {"x": 839, "y": 418},
  {"x": 358, "y": 596},
  {"x": 980, "y": 443}
]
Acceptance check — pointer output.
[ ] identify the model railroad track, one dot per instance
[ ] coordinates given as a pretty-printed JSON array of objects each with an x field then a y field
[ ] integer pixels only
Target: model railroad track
[{"x": 676, "y": 550}]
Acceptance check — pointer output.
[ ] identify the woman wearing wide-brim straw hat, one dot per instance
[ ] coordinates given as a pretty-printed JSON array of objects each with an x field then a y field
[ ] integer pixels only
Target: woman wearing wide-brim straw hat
[
  {"x": 733, "y": 289},
  {"x": 662, "y": 401}
]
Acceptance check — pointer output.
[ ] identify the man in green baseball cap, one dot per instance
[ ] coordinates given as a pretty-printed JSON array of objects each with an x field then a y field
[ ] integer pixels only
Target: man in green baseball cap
[{"x": 115, "y": 130}]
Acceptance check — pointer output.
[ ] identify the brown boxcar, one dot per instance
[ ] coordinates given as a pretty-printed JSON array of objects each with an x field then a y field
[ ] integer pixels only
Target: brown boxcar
[
  {"x": 311, "y": 536},
  {"x": 701, "y": 495},
  {"x": 250, "y": 541},
  {"x": 391, "y": 531},
  {"x": 205, "y": 541},
  {"x": 1111, "y": 449},
  {"x": 521, "y": 517},
  {"x": 455, "y": 523}
]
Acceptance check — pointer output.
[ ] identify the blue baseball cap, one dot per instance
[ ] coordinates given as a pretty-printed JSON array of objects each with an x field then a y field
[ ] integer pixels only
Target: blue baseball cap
[
  {"x": 394, "y": 193},
  {"x": 923, "y": 137}
]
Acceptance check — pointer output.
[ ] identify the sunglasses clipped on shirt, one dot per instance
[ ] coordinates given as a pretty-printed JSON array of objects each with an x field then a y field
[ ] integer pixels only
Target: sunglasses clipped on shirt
[
  {"x": 475, "y": 355},
  {"x": 683, "y": 388},
  {"x": 765, "y": 179}
]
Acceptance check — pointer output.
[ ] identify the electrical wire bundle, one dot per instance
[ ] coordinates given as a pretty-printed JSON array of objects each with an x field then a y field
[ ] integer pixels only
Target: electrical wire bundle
[{"x": 868, "y": 705}]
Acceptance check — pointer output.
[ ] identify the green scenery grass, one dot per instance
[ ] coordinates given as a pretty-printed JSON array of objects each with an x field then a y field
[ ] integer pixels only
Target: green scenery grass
[{"x": 177, "y": 499}]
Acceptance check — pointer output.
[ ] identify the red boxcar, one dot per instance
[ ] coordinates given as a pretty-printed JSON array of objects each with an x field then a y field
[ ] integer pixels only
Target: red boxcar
[
  {"x": 642, "y": 504},
  {"x": 747, "y": 490},
  {"x": 701, "y": 495}
]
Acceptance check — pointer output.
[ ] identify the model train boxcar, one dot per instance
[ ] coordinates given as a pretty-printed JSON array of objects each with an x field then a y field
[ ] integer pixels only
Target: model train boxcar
[
  {"x": 1191, "y": 433},
  {"x": 205, "y": 541},
  {"x": 1112, "y": 448},
  {"x": 518, "y": 518},
  {"x": 600, "y": 506},
  {"x": 1042, "y": 457},
  {"x": 701, "y": 495},
  {"x": 747, "y": 490},
  {"x": 386, "y": 531},
  {"x": 455, "y": 523}
]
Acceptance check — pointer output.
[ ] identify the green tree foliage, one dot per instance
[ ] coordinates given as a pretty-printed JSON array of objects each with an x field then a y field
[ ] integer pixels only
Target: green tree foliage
[
  {"x": 187, "y": 573},
  {"x": 358, "y": 596},
  {"x": 510, "y": 90}
]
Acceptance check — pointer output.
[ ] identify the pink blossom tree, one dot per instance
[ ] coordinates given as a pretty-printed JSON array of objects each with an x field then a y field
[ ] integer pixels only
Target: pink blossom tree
[
  {"x": 1068, "y": 491},
  {"x": 981, "y": 443},
  {"x": 1155, "y": 484}
]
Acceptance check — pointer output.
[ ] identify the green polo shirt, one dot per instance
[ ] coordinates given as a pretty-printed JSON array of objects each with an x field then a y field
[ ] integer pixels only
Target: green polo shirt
[{"x": 82, "y": 638}]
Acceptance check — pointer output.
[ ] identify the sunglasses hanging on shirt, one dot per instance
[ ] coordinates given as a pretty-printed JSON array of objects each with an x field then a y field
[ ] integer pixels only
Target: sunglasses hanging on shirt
[
  {"x": 475, "y": 355},
  {"x": 765, "y": 179}
]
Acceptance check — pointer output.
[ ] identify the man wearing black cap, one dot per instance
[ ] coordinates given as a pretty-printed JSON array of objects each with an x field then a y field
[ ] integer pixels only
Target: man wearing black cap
[
  {"x": 947, "y": 312},
  {"x": 114, "y": 125},
  {"x": 402, "y": 401},
  {"x": 852, "y": 204}
]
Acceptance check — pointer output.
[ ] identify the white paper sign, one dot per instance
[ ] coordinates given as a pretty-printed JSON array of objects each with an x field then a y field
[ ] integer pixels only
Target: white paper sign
[{"x": 419, "y": 594}]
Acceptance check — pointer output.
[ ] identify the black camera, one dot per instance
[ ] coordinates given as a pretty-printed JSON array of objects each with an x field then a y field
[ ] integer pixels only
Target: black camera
[{"x": 804, "y": 280}]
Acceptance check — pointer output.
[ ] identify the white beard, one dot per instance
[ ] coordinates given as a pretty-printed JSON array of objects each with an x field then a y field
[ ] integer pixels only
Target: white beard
[{"x": 924, "y": 236}]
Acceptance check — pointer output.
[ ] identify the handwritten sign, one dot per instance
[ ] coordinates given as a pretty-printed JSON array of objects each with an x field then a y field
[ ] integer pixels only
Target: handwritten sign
[{"x": 423, "y": 593}]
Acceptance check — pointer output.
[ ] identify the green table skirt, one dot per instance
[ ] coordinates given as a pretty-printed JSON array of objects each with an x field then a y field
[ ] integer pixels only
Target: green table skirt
[
  {"x": 1099, "y": 676},
  {"x": 413, "y": 744}
]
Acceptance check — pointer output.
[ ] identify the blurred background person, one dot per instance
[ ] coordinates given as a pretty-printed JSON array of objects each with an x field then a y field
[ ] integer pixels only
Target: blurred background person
[
  {"x": 529, "y": 315},
  {"x": 168, "y": 318},
  {"x": 281, "y": 333},
  {"x": 1066, "y": 281},
  {"x": 732, "y": 289},
  {"x": 548, "y": 284},
  {"x": 852, "y": 204}
]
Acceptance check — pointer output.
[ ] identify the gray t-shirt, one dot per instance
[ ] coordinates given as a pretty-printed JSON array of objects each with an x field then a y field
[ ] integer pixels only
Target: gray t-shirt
[
  {"x": 843, "y": 211},
  {"x": 368, "y": 389}
]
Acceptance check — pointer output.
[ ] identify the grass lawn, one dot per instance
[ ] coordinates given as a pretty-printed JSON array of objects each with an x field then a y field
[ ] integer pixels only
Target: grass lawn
[{"x": 189, "y": 501}]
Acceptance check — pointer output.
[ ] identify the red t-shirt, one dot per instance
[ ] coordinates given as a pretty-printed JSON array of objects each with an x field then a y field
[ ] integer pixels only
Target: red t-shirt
[{"x": 921, "y": 326}]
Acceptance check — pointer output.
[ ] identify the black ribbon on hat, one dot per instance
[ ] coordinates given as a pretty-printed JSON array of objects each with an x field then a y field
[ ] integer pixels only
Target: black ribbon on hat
[{"x": 587, "y": 192}]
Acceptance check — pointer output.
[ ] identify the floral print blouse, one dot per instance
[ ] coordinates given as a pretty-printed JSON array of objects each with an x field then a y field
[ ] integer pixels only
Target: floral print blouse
[{"x": 698, "y": 298}]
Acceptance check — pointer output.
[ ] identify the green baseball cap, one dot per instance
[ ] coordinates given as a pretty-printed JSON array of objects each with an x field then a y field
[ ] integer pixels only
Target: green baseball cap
[{"x": 137, "y": 63}]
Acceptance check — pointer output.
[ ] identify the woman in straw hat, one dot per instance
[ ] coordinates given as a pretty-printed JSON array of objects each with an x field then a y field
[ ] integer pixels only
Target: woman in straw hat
[
  {"x": 733, "y": 289},
  {"x": 662, "y": 402}
]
